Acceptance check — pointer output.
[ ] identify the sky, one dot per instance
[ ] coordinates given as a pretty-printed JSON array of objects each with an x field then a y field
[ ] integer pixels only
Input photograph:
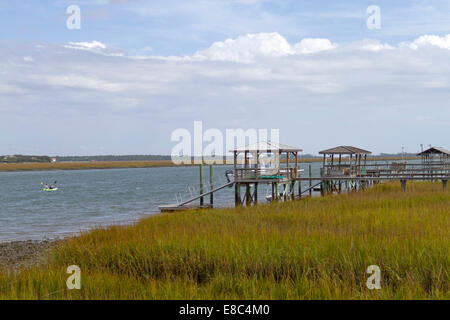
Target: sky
[{"x": 136, "y": 71}]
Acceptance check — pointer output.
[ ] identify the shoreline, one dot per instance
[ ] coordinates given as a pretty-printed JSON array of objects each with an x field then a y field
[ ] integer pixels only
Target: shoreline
[
  {"x": 84, "y": 165},
  {"x": 29, "y": 166},
  {"x": 22, "y": 254}
]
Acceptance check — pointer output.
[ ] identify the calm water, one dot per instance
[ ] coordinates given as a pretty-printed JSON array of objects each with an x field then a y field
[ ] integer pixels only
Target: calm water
[{"x": 90, "y": 198}]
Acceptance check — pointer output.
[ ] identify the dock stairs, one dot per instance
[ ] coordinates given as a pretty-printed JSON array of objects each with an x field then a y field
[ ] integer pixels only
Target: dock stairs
[{"x": 185, "y": 204}]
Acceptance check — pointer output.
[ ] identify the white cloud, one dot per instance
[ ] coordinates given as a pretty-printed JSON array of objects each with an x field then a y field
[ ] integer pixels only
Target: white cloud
[
  {"x": 94, "y": 46},
  {"x": 250, "y": 47},
  {"x": 28, "y": 59},
  {"x": 431, "y": 40},
  {"x": 309, "y": 45},
  {"x": 371, "y": 45},
  {"x": 247, "y": 48},
  {"x": 89, "y": 46},
  {"x": 79, "y": 82}
]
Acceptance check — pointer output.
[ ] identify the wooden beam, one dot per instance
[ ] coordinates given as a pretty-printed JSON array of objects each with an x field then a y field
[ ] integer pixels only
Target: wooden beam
[
  {"x": 211, "y": 182},
  {"x": 235, "y": 165},
  {"x": 201, "y": 183}
]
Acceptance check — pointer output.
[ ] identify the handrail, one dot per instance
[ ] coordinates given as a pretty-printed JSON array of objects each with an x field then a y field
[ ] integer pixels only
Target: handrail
[
  {"x": 206, "y": 193},
  {"x": 254, "y": 173}
]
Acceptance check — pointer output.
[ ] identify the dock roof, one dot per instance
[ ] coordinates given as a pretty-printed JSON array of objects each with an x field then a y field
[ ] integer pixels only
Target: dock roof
[
  {"x": 435, "y": 150},
  {"x": 267, "y": 146},
  {"x": 345, "y": 150}
]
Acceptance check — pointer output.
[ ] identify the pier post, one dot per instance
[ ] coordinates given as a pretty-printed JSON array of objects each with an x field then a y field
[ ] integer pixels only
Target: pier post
[
  {"x": 273, "y": 191},
  {"x": 292, "y": 189},
  {"x": 211, "y": 196},
  {"x": 277, "y": 191},
  {"x": 237, "y": 194},
  {"x": 299, "y": 189},
  {"x": 201, "y": 183},
  {"x": 287, "y": 191},
  {"x": 248, "y": 194},
  {"x": 444, "y": 185},
  {"x": 310, "y": 181},
  {"x": 403, "y": 183}
]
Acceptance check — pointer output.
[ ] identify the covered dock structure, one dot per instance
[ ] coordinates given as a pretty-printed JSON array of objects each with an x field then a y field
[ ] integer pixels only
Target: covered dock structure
[
  {"x": 264, "y": 162},
  {"x": 344, "y": 161},
  {"x": 435, "y": 155},
  {"x": 435, "y": 160}
]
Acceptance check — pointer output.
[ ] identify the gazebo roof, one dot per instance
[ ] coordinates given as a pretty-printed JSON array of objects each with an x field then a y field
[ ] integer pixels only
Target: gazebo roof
[
  {"x": 435, "y": 150},
  {"x": 345, "y": 150},
  {"x": 267, "y": 146}
]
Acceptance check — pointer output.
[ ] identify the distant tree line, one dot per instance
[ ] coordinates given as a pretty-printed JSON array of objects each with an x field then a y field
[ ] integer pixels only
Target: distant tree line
[
  {"x": 113, "y": 158},
  {"x": 18, "y": 158},
  {"x": 406, "y": 154}
]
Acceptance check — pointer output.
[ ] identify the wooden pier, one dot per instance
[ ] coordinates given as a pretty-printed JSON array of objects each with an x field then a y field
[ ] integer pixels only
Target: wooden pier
[{"x": 344, "y": 169}]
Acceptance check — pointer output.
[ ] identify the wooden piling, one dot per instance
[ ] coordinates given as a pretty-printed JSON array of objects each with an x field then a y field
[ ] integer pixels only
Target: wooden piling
[
  {"x": 237, "y": 194},
  {"x": 201, "y": 184},
  {"x": 300, "y": 190},
  {"x": 248, "y": 194},
  {"x": 310, "y": 181},
  {"x": 211, "y": 195},
  {"x": 403, "y": 184}
]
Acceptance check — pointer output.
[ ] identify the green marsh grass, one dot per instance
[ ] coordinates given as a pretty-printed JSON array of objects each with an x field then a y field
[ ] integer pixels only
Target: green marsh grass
[{"x": 311, "y": 249}]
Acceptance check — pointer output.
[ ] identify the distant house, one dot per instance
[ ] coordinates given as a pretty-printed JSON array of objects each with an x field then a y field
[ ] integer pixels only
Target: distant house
[{"x": 52, "y": 160}]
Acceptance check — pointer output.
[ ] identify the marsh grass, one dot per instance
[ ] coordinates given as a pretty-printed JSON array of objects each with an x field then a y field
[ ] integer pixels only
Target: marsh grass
[{"x": 311, "y": 249}]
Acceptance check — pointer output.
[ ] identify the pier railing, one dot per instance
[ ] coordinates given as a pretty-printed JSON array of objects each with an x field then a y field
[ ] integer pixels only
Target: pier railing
[
  {"x": 387, "y": 170},
  {"x": 279, "y": 174}
]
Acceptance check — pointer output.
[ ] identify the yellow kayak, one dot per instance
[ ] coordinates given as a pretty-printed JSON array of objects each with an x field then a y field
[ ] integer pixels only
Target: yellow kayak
[{"x": 48, "y": 189}]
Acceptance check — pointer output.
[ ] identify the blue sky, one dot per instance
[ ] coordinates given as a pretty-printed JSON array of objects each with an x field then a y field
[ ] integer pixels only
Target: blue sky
[
  {"x": 176, "y": 27},
  {"x": 137, "y": 70}
]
